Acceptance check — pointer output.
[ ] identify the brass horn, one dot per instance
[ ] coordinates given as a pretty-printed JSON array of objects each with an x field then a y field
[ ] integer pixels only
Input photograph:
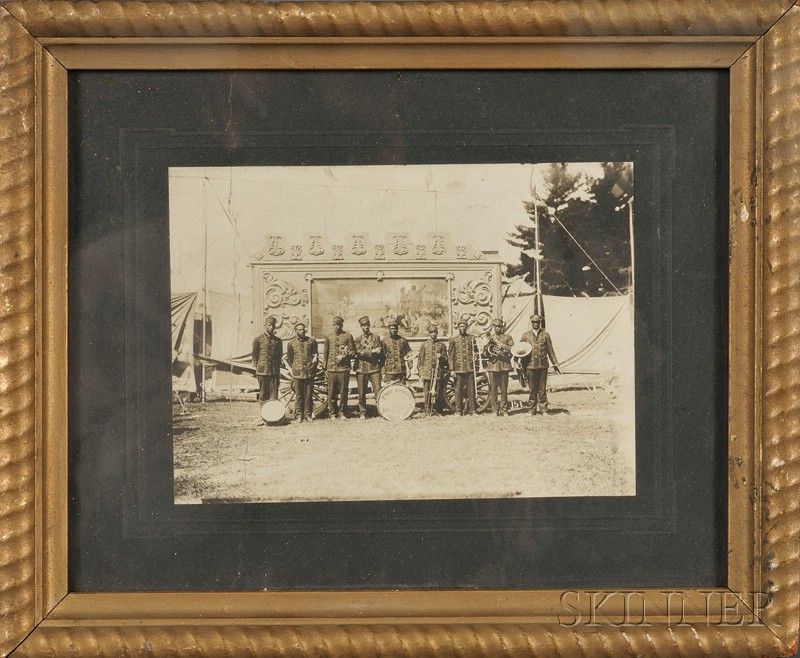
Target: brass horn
[{"x": 521, "y": 349}]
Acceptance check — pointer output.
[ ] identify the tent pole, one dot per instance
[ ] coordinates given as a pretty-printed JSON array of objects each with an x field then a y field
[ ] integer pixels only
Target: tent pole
[
  {"x": 205, "y": 288},
  {"x": 630, "y": 224},
  {"x": 537, "y": 256}
]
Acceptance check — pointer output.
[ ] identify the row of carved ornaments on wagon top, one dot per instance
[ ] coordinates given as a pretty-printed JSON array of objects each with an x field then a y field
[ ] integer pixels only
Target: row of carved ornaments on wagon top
[
  {"x": 358, "y": 247},
  {"x": 472, "y": 285}
]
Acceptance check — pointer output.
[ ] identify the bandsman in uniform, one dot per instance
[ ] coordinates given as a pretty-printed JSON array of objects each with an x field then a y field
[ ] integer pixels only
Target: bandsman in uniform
[
  {"x": 302, "y": 358},
  {"x": 267, "y": 356},
  {"x": 368, "y": 363},
  {"x": 338, "y": 351},
  {"x": 536, "y": 364},
  {"x": 498, "y": 366},
  {"x": 461, "y": 360},
  {"x": 397, "y": 350},
  {"x": 433, "y": 365}
]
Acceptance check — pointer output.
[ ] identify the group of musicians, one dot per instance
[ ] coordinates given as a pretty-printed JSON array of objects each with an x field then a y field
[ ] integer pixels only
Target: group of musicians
[{"x": 376, "y": 360}]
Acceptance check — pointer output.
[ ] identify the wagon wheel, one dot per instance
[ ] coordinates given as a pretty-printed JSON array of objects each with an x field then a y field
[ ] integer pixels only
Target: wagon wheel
[
  {"x": 481, "y": 399},
  {"x": 319, "y": 394},
  {"x": 286, "y": 393}
]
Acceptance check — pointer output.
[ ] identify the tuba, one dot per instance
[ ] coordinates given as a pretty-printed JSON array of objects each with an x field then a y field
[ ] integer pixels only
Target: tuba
[{"x": 496, "y": 351}]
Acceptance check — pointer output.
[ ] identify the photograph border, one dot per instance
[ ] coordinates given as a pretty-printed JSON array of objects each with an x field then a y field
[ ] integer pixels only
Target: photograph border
[{"x": 757, "y": 40}]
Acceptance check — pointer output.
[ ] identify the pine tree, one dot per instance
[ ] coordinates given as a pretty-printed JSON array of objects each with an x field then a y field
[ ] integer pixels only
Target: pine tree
[{"x": 578, "y": 215}]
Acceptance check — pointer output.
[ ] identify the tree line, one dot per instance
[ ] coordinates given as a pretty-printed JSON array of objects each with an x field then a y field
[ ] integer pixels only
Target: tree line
[{"x": 584, "y": 231}]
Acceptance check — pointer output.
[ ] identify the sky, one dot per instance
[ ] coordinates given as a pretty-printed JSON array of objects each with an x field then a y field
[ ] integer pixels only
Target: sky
[{"x": 220, "y": 215}]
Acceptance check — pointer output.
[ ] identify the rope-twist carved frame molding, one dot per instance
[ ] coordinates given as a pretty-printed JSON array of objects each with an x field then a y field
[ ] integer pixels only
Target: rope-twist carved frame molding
[
  {"x": 23, "y": 26},
  {"x": 570, "y": 18}
]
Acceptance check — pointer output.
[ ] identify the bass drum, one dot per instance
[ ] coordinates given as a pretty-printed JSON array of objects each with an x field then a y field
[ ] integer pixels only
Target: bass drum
[
  {"x": 273, "y": 412},
  {"x": 396, "y": 401}
]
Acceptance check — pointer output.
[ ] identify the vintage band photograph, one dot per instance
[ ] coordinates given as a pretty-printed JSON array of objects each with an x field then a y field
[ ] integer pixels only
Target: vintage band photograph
[{"x": 402, "y": 332}]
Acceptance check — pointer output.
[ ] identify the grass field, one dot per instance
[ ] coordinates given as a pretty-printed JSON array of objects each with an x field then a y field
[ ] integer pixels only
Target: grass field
[{"x": 584, "y": 447}]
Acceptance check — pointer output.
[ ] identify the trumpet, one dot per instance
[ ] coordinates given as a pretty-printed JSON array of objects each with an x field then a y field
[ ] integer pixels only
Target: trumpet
[
  {"x": 343, "y": 355},
  {"x": 367, "y": 342}
]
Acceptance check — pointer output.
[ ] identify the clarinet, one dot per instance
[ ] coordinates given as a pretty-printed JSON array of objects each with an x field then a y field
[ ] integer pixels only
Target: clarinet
[{"x": 434, "y": 394}]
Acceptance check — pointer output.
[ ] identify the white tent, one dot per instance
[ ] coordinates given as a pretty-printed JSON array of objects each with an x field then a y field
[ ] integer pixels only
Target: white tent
[
  {"x": 591, "y": 335},
  {"x": 229, "y": 338}
]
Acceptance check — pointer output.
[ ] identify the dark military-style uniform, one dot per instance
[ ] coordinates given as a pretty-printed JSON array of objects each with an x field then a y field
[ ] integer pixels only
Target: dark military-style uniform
[
  {"x": 536, "y": 364},
  {"x": 433, "y": 354},
  {"x": 396, "y": 350},
  {"x": 369, "y": 359},
  {"x": 338, "y": 351},
  {"x": 300, "y": 355},
  {"x": 461, "y": 359},
  {"x": 498, "y": 367},
  {"x": 267, "y": 355}
]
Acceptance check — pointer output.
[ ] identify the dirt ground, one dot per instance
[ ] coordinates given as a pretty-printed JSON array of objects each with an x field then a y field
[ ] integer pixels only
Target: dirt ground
[{"x": 223, "y": 452}]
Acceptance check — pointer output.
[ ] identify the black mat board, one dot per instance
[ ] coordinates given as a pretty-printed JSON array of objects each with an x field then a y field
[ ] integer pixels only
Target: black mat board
[{"x": 127, "y": 128}]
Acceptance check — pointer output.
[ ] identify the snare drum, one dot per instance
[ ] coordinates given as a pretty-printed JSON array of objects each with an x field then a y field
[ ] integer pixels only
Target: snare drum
[
  {"x": 396, "y": 401},
  {"x": 272, "y": 412}
]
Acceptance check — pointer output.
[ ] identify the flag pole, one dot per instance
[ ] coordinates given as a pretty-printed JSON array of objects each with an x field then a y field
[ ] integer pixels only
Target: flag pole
[
  {"x": 630, "y": 225},
  {"x": 631, "y": 289},
  {"x": 537, "y": 271},
  {"x": 205, "y": 288}
]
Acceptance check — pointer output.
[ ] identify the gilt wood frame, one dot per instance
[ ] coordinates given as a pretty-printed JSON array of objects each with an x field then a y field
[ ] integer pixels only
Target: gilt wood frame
[{"x": 758, "y": 40}]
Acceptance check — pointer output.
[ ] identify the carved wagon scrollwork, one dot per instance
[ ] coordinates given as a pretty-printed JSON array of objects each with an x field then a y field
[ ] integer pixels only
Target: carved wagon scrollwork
[
  {"x": 316, "y": 248},
  {"x": 476, "y": 292},
  {"x": 400, "y": 243},
  {"x": 483, "y": 322},
  {"x": 477, "y": 323},
  {"x": 338, "y": 252},
  {"x": 285, "y": 324},
  {"x": 359, "y": 247},
  {"x": 439, "y": 247},
  {"x": 296, "y": 252},
  {"x": 421, "y": 252},
  {"x": 380, "y": 252},
  {"x": 275, "y": 245},
  {"x": 277, "y": 293}
]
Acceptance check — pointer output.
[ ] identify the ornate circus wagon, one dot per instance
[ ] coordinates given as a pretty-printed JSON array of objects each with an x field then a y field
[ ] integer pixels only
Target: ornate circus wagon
[{"x": 435, "y": 280}]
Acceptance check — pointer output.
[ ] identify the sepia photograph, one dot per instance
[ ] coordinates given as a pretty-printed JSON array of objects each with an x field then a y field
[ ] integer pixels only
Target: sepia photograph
[{"x": 402, "y": 332}]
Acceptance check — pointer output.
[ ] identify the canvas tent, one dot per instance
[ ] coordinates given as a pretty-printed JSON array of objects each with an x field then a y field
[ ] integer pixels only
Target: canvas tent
[
  {"x": 228, "y": 339},
  {"x": 591, "y": 335},
  {"x": 182, "y": 309}
]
